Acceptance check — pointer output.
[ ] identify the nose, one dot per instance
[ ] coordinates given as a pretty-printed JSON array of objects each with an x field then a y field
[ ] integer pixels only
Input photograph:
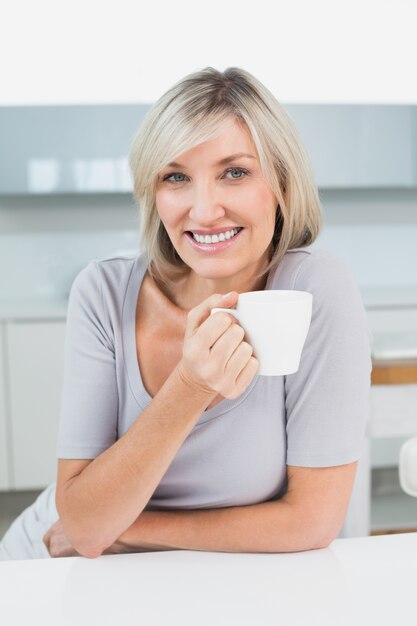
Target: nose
[{"x": 206, "y": 208}]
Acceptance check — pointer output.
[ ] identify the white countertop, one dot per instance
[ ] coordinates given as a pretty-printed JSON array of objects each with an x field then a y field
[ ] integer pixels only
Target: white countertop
[{"x": 354, "y": 582}]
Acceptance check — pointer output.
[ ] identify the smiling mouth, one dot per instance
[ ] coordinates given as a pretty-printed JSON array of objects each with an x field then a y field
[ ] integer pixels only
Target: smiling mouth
[{"x": 217, "y": 238}]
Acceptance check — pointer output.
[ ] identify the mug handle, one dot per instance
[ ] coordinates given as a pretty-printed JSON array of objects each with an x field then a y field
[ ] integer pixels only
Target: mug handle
[{"x": 232, "y": 311}]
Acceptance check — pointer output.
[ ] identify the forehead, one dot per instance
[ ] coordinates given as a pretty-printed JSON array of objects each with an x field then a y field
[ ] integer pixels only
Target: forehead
[
  {"x": 230, "y": 138},
  {"x": 232, "y": 132}
]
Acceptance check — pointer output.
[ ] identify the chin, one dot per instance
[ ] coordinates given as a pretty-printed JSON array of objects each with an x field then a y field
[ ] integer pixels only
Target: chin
[{"x": 215, "y": 269}]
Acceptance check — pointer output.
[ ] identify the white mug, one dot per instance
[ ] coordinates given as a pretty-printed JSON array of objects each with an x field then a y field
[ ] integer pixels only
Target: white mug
[
  {"x": 276, "y": 323},
  {"x": 408, "y": 467}
]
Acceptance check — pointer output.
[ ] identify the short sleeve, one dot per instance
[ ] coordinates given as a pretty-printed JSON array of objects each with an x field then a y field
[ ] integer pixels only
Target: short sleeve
[
  {"x": 89, "y": 405},
  {"x": 328, "y": 399}
]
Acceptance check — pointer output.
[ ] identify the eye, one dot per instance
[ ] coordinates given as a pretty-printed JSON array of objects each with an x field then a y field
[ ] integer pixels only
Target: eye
[
  {"x": 241, "y": 173},
  {"x": 170, "y": 177}
]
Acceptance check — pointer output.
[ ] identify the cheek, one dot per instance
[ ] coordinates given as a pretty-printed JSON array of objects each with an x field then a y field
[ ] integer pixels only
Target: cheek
[
  {"x": 261, "y": 206},
  {"x": 168, "y": 207},
  {"x": 270, "y": 204}
]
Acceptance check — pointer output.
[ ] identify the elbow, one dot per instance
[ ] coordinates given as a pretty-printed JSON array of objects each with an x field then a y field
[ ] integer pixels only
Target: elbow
[
  {"x": 312, "y": 542},
  {"x": 80, "y": 538},
  {"x": 314, "y": 536},
  {"x": 88, "y": 551},
  {"x": 323, "y": 543},
  {"x": 325, "y": 536},
  {"x": 305, "y": 544},
  {"x": 85, "y": 545},
  {"x": 88, "y": 546}
]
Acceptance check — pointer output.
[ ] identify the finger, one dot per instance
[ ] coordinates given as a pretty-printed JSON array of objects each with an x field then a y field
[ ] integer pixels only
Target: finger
[
  {"x": 248, "y": 372},
  {"x": 227, "y": 344},
  {"x": 213, "y": 328},
  {"x": 200, "y": 313},
  {"x": 47, "y": 535},
  {"x": 68, "y": 550},
  {"x": 47, "y": 545},
  {"x": 238, "y": 360}
]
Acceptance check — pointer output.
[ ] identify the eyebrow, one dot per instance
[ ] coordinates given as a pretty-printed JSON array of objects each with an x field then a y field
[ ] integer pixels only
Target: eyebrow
[{"x": 228, "y": 159}]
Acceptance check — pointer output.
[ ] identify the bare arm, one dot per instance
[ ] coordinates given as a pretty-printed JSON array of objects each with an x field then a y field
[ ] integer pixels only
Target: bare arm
[
  {"x": 98, "y": 500},
  {"x": 309, "y": 516},
  {"x": 112, "y": 490}
]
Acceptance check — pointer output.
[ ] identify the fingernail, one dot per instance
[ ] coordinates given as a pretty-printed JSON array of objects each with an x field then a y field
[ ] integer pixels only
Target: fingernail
[{"x": 226, "y": 295}]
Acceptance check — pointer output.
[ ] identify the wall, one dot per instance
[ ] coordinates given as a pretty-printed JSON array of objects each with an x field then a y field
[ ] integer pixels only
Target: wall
[{"x": 375, "y": 231}]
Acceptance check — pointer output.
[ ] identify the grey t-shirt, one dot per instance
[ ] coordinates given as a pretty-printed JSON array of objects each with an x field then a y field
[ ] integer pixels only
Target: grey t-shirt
[{"x": 238, "y": 451}]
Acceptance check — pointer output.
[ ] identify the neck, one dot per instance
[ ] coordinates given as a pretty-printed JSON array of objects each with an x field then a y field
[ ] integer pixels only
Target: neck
[{"x": 191, "y": 289}]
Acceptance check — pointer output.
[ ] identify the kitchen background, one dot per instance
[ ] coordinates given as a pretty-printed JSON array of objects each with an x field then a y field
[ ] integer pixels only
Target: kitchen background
[{"x": 65, "y": 193}]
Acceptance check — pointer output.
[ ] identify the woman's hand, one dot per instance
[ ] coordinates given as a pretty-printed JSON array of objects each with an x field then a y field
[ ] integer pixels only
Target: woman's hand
[
  {"x": 59, "y": 545},
  {"x": 215, "y": 355},
  {"x": 57, "y": 541}
]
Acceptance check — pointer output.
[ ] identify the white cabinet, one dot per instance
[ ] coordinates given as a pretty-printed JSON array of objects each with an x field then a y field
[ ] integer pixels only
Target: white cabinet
[
  {"x": 394, "y": 410},
  {"x": 394, "y": 406},
  {"x": 359, "y": 146},
  {"x": 83, "y": 149},
  {"x": 4, "y": 473},
  {"x": 35, "y": 371},
  {"x": 394, "y": 420},
  {"x": 67, "y": 149}
]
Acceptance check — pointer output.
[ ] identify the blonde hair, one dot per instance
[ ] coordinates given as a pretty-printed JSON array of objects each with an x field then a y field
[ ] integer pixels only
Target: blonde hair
[{"x": 189, "y": 114}]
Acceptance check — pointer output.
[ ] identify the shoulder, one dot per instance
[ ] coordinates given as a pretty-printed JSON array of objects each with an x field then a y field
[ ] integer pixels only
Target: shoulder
[
  {"x": 98, "y": 295},
  {"x": 105, "y": 276},
  {"x": 330, "y": 280},
  {"x": 321, "y": 272},
  {"x": 301, "y": 267}
]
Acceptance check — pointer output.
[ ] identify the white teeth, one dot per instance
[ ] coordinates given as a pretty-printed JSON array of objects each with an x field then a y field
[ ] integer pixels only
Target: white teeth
[{"x": 216, "y": 238}]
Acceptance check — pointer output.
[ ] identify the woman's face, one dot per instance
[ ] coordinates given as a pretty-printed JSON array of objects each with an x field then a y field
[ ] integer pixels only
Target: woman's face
[{"x": 208, "y": 193}]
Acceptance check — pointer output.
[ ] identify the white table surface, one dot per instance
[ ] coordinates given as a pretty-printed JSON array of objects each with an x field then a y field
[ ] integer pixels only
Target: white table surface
[{"x": 367, "y": 581}]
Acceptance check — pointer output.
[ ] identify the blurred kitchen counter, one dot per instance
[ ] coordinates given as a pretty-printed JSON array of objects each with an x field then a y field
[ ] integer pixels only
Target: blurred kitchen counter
[
  {"x": 33, "y": 309},
  {"x": 389, "y": 296}
]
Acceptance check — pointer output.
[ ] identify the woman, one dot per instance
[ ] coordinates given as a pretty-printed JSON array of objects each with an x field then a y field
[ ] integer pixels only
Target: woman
[{"x": 168, "y": 439}]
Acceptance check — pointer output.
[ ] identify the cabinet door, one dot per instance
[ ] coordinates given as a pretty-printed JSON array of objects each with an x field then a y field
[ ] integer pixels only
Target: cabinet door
[
  {"x": 394, "y": 410},
  {"x": 36, "y": 361},
  {"x": 4, "y": 457},
  {"x": 358, "y": 146}
]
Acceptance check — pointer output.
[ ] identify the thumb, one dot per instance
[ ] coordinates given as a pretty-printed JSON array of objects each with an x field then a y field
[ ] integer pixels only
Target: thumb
[
  {"x": 228, "y": 299},
  {"x": 201, "y": 312}
]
